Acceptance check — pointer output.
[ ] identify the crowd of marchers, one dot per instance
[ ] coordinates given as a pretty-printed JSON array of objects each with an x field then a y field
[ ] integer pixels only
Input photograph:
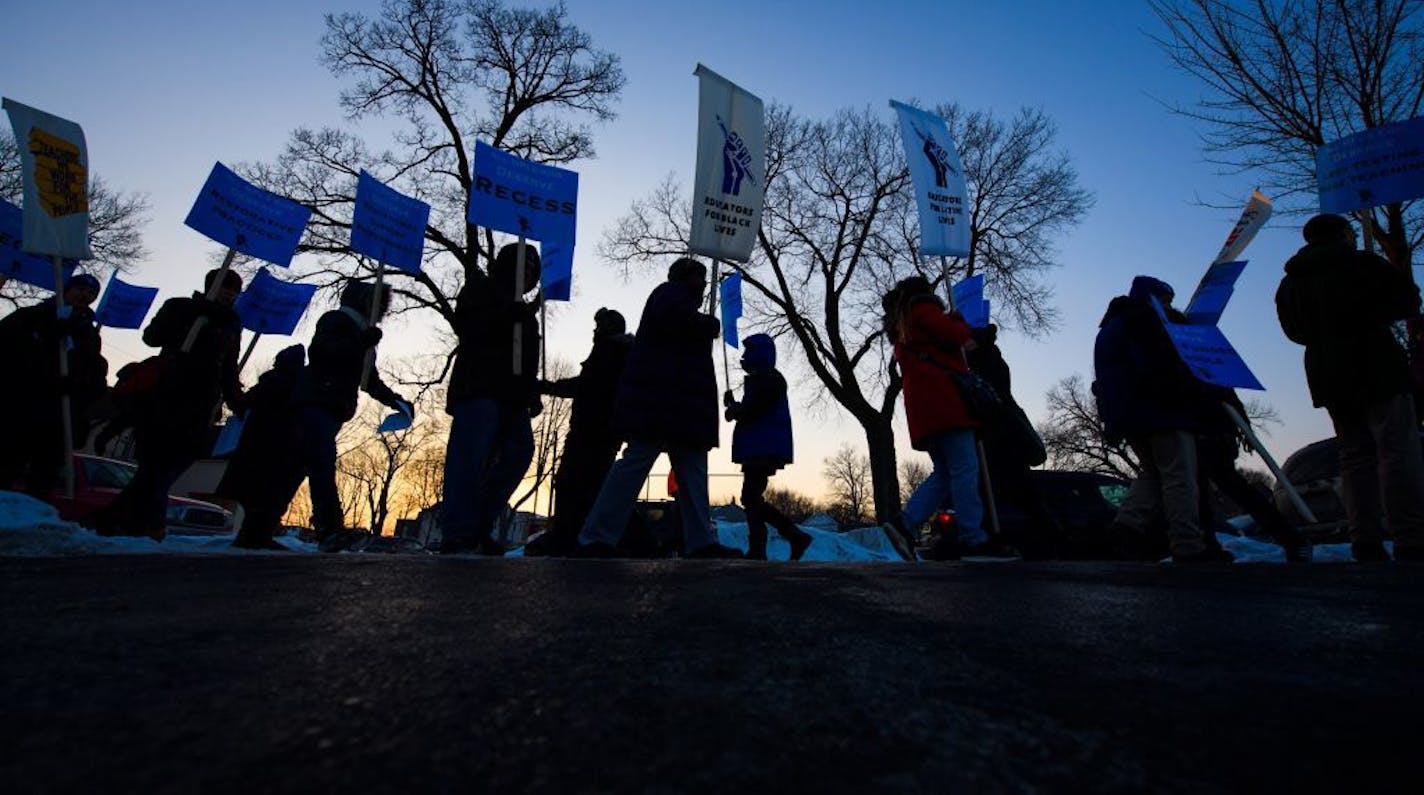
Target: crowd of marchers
[{"x": 654, "y": 392}]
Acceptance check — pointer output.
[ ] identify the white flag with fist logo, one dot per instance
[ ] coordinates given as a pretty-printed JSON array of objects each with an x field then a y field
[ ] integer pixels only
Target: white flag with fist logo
[
  {"x": 940, "y": 190},
  {"x": 731, "y": 169}
]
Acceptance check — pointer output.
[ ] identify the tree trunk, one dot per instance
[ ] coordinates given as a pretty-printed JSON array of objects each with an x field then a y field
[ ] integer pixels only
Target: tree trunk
[{"x": 884, "y": 473}]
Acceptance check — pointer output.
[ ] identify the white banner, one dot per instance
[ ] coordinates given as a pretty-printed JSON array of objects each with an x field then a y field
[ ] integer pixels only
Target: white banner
[
  {"x": 1258, "y": 209},
  {"x": 731, "y": 169},
  {"x": 54, "y": 165},
  {"x": 938, "y": 178}
]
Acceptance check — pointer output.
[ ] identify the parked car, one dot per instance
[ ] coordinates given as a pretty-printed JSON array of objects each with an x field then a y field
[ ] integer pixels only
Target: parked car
[
  {"x": 98, "y": 480},
  {"x": 1084, "y": 503},
  {"x": 1314, "y": 470}
]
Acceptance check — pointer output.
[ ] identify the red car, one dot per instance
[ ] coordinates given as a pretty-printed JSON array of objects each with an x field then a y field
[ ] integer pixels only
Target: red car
[{"x": 97, "y": 481}]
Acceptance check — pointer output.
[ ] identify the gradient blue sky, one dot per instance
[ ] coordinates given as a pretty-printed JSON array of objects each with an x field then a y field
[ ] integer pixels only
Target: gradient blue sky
[{"x": 163, "y": 89}]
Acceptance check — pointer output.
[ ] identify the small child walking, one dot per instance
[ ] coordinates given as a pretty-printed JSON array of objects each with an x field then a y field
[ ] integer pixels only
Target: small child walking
[{"x": 761, "y": 443}]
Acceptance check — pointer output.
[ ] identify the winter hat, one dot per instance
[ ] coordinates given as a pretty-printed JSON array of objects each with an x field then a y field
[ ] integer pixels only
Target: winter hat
[
  {"x": 232, "y": 280},
  {"x": 1144, "y": 287},
  {"x": 358, "y": 295},
  {"x": 290, "y": 358},
  {"x": 82, "y": 280},
  {"x": 502, "y": 269},
  {"x": 685, "y": 268},
  {"x": 609, "y": 323},
  {"x": 760, "y": 351},
  {"x": 1325, "y": 228}
]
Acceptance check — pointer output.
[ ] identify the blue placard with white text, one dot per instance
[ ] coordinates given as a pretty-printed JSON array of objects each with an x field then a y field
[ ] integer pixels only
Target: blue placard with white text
[
  {"x": 969, "y": 300},
  {"x": 1208, "y": 354},
  {"x": 272, "y": 306},
  {"x": 248, "y": 219},
  {"x": 1381, "y": 165},
  {"x": 1213, "y": 292},
  {"x": 556, "y": 270},
  {"x": 21, "y": 265},
  {"x": 520, "y": 197},
  {"x": 124, "y": 305},
  {"x": 387, "y": 225}
]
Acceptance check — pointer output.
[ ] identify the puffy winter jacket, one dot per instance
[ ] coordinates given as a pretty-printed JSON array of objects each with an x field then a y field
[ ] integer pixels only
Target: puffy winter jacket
[
  {"x": 930, "y": 345},
  {"x": 763, "y": 431},
  {"x": 485, "y": 317},
  {"x": 669, "y": 390},
  {"x": 1339, "y": 303}
]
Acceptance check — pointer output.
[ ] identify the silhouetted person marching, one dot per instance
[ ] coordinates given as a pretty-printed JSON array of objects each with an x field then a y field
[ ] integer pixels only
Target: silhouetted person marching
[
  {"x": 591, "y": 444},
  {"x": 762, "y": 444}
]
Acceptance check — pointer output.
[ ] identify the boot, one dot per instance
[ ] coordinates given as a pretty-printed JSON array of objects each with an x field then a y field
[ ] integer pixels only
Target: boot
[
  {"x": 799, "y": 542},
  {"x": 756, "y": 543}
]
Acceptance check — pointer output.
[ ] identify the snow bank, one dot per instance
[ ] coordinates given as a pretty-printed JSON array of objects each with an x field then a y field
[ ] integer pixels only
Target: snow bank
[{"x": 29, "y": 527}]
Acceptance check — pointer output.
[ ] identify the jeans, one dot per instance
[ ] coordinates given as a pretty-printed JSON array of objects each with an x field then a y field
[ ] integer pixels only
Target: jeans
[
  {"x": 316, "y": 456},
  {"x": 490, "y": 447},
  {"x": 610, "y": 513},
  {"x": 1379, "y": 447},
  {"x": 955, "y": 482}
]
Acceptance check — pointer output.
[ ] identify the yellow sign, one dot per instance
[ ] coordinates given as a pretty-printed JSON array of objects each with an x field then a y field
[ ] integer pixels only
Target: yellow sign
[{"x": 59, "y": 175}]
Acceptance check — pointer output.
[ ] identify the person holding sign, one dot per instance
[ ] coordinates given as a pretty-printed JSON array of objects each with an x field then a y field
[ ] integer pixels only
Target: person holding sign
[
  {"x": 325, "y": 398},
  {"x": 591, "y": 445},
  {"x": 1342, "y": 304},
  {"x": 34, "y": 445},
  {"x": 1147, "y": 397},
  {"x": 667, "y": 403},
  {"x": 175, "y": 397},
  {"x": 262, "y": 473},
  {"x": 490, "y": 400},
  {"x": 930, "y": 345}
]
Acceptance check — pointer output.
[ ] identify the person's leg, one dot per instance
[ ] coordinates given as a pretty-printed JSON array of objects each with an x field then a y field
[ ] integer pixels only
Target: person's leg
[
  {"x": 754, "y": 482},
  {"x": 961, "y": 456},
  {"x": 690, "y": 468},
  {"x": 933, "y": 492},
  {"x": 1143, "y": 503},
  {"x": 1401, "y": 467},
  {"x": 472, "y": 434},
  {"x": 319, "y": 429},
  {"x": 1175, "y": 455},
  {"x": 513, "y": 449},
  {"x": 608, "y": 517},
  {"x": 1359, "y": 476}
]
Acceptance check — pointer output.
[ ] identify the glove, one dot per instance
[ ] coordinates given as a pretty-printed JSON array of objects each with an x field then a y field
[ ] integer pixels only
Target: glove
[
  {"x": 371, "y": 337},
  {"x": 536, "y": 407},
  {"x": 727, "y": 399},
  {"x": 543, "y": 386}
]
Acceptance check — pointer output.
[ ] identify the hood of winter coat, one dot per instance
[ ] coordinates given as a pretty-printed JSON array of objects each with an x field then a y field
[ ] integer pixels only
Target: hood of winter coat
[
  {"x": 1145, "y": 287},
  {"x": 760, "y": 352},
  {"x": 1319, "y": 255},
  {"x": 290, "y": 358}
]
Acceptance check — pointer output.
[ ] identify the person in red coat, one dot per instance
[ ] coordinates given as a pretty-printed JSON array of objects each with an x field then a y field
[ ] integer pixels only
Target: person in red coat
[{"x": 930, "y": 344}]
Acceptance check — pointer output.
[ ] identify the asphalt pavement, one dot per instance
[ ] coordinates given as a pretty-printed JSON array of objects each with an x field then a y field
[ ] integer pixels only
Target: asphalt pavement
[{"x": 306, "y": 673}]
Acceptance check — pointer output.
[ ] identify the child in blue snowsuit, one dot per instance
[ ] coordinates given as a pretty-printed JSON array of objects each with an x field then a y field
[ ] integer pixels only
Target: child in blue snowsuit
[{"x": 761, "y": 443}]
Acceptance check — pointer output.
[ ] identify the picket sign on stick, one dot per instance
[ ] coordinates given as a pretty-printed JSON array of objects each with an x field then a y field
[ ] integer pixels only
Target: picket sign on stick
[
  {"x": 371, "y": 318},
  {"x": 66, "y": 420},
  {"x": 518, "y": 299},
  {"x": 212, "y": 295},
  {"x": 247, "y": 354},
  {"x": 726, "y": 368},
  {"x": 1260, "y": 449}
]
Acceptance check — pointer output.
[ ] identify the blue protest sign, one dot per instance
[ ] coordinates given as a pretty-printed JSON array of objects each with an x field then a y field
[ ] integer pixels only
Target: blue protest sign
[
  {"x": 248, "y": 219},
  {"x": 969, "y": 300},
  {"x": 18, "y": 264},
  {"x": 1206, "y": 352},
  {"x": 272, "y": 306},
  {"x": 1381, "y": 165},
  {"x": 556, "y": 270},
  {"x": 124, "y": 305},
  {"x": 387, "y": 225},
  {"x": 510, "y": 194},
  {"x": 731, "y": 297},
  {"x": 1214, "y": 290}
]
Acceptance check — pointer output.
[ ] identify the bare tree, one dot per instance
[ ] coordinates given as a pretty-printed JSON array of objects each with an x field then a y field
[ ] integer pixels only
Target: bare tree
[
  {"x": 116, "y": 222},
  {"x": 913, "y": 472},
  {"x": 1076, "y": 440},
  {"x": 848, "y": 483},
  {"x": 793, "y": 505},
  {"x": 1074, "y": 435},
  {"x": 1286, "y": 76},
  {"x": 550, "y": 428},
  {"x": 839, "y": 228},
  {"x": 449, "y": 73}
]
